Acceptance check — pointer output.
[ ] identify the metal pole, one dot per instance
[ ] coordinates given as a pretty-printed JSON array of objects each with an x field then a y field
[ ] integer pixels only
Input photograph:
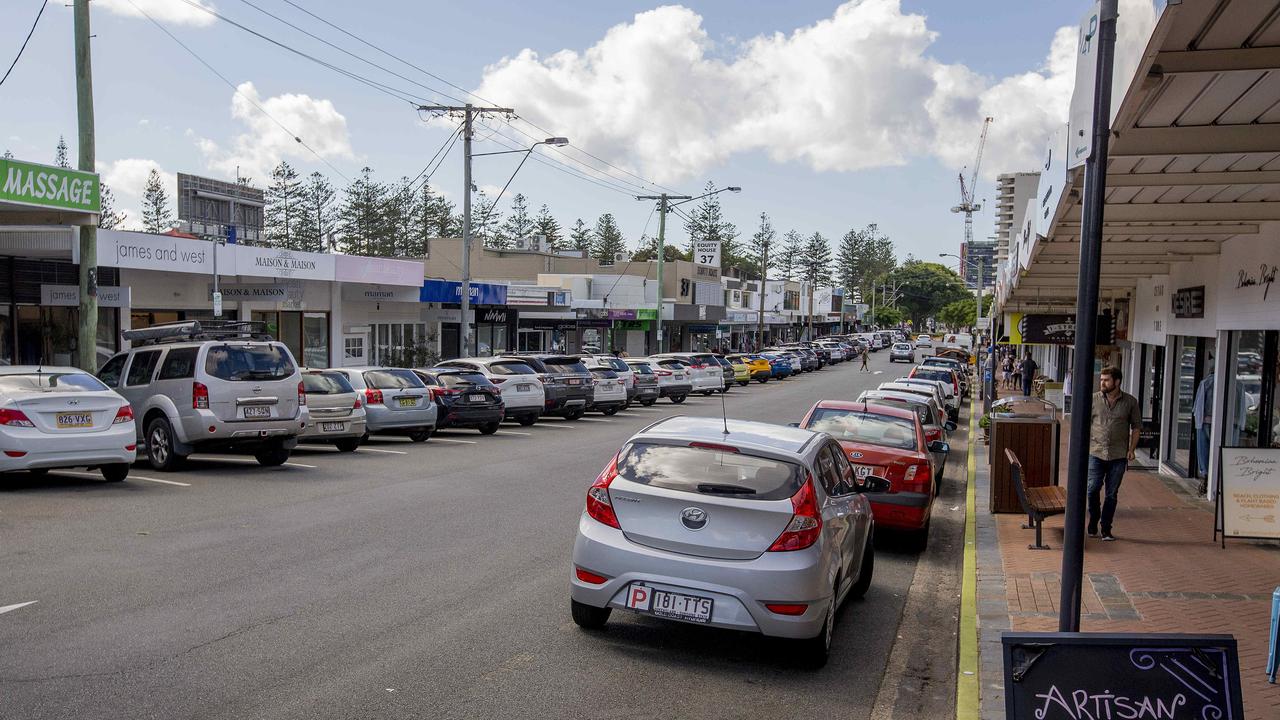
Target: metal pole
[
  {"x": 662, "y": 258},
  {"x": 464, "y": 330},
  {"x": 764, "y": 275},
  {"x": 1086, "y": 326},
  {"x": 87, "y": 332}
]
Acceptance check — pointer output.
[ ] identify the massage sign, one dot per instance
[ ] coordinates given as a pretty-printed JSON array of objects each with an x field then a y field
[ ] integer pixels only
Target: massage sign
[{"x": 50, "y": 187}]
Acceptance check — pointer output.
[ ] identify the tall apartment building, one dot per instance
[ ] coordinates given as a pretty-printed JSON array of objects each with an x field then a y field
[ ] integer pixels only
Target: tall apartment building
[
  {"x": 979, "y": 253},
  {"x": 1013, "y": 192}
]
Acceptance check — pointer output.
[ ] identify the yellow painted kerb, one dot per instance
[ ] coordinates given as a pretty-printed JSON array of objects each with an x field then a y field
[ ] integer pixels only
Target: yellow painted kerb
[{"x": 967, "y": 697}]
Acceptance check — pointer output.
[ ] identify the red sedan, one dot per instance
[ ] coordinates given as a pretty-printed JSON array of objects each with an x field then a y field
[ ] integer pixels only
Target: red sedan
[{"x": 888, "y": 442}]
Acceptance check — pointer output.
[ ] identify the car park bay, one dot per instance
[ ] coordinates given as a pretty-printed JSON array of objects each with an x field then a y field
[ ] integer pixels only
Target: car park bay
[{"x": 396, "y": 580}]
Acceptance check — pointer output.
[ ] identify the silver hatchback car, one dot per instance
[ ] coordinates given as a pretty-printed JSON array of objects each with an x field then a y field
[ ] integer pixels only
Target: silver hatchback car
[{"x": 763, "y": 528}]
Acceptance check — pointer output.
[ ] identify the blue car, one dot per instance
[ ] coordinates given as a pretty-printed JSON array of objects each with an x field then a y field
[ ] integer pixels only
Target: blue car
[{"x": 781, "y": 365}]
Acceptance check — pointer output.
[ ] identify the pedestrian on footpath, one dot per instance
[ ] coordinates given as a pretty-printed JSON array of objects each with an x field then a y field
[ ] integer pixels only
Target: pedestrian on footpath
[
  {"x": 1113, "y": 439},
  {"x": 865, "y": 353},
  {"x": 1027, "y": 368}
]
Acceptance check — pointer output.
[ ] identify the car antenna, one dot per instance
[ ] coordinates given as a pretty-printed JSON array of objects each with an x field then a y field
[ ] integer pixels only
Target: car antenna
[{"x": 724, "y": 414}]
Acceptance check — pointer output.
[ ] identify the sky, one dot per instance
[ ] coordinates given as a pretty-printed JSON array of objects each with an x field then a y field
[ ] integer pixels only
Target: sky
[{"x": 830, "y": 116}]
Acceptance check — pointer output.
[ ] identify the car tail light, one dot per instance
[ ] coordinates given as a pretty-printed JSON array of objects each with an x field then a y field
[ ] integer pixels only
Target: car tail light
[
  {"x": 302, "y": 394},
  {"x": 916, "y": 479},
  {"x": 663, "y": 373},
  {"x": 806, "y": 521},
  {"x": 497, "y": 381},
  {"x": 589, "y": 577},
  {"x": 123, "y": 415},
  {"x": 131, "y": 448},
  {"x": 598, "y": 505},
  {"x": 356, "y": 405},
  {"x": 15, "y": 453},
  {"x": 199, "y": 396},
  {"x": 714, "y": 446},
  {"x": 15, "y": 418},
  {"x": 372, "y": 397},
  {"x": 787, "y": 608}
]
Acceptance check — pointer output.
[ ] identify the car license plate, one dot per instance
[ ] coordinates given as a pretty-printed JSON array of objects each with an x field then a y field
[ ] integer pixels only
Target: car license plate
[
  {"x": 523, "y": 387},
  {"x": 257, "y": 411},
  {"x": 865, "y": 470},
  {"x": 407, "y": 401},
  {"x": 679, "y": 376},
  {"x": 332, "y": 427},
  {"x": 75, "y": 420},
  {"x": 666, "y": 604},
  {"x": 476, "y": 398},
  {"x": 573, "y": 381}
]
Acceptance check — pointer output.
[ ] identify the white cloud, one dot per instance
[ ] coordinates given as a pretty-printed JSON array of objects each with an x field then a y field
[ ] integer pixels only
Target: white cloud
[
  {"x": 854, "y": 91},
  {"x": 165, "y": 11},
  {"x": 128, "y": 178},
  {"x": 264, "y": 143}
]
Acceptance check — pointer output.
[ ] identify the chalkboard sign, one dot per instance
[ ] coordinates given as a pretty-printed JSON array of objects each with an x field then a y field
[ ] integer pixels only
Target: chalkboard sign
[
  {"x": 1249, "y": 493},
  {"x": 1096, "y": 676}
]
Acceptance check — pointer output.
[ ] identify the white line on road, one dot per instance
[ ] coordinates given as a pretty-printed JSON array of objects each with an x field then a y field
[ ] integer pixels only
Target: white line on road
[
  {"x": 7, "y": 608},
  {"x": 247, "y": 461},
  {"x": 512, "y": 432},
  {"x": 293, "y": 464},
  {"x": 877, "y": 372},
  {"x": 587, "y": 419},
  {"x": 464, "y": 442},
  {"x": 389, "y": 452},
  {"x": 84, "y": 474},
  {"x": 158, "y": 480},
  {"x": 555, "y": 426}
]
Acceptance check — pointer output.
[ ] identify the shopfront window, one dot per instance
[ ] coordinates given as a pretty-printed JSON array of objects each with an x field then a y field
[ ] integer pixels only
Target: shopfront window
[
  {"x": 490, "y": 339},
  {"x": 305, "y": 334},
  {"x": 402, "y": 345},
  {"x": 1244, "y": 401},
  {"x": 315, "y": 339},
  {"x": 1184, "y": 392},
  {"x": 1193, "y": 422}
]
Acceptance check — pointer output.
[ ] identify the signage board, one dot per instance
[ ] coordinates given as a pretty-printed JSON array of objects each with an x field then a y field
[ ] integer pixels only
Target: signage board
[
  {"x": 1189, "y": 302},
  {"x": 984, "y": 323},
  {"x": 1028, "y": 329},
  {"x": 280, "y": 263},
  {"x": 1080, "y": 143},
  {"x": 48, "y": 187},
  {"x": 496, "y": 316},
  {"x": 1053, "y": 178},
  {"x": 1074, "y": 676},
  {"x": 260, "y": 292},
  {"x": 706, "y": 252},
  {"x": 164, "y": 253},
  {"x": 381, "y": 293},
  {"x": 217, "y": 304},
  {"x": 378, "y": 271},
  {"x": 1249, "y": 492},
  {"x": 622, "y": 315},
  {"x": 69, "y": 296},
  {"x": 450, "y": 291}
]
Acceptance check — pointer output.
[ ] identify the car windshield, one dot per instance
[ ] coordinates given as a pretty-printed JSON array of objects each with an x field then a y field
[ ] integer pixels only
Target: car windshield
[
  {"x": 865, "y": 427},
  {"x": 462, "y": 379},
  {"x": 249, "y": 362},
  {"x": 901, "y": 346},
  {"x": 51, "y": 382},
  {"x": 511, "y": 367},
  {"x": 604, "y": 373},
  {"x": 566, "y": 366},
  {"x": 392, "y": 379},
  {"x": 615, "y": 363},
  {"x": 325, "y": 384},
  {"x": 640, "y": 368},
  {"x": 709, "y": 471},
  {"x": 921, "y": 411}
]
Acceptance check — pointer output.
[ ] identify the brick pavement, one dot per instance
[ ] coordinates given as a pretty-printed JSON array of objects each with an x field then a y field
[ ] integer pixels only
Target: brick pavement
[{"x": 1163, "y": 574}]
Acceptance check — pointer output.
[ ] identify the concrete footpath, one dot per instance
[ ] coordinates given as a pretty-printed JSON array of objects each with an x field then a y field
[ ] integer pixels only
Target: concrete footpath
[{"x": 1164, "y": 574}]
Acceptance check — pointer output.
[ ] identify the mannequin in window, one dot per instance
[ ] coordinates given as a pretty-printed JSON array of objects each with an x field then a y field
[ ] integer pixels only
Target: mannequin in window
[{"x": 1202, "y": 420}]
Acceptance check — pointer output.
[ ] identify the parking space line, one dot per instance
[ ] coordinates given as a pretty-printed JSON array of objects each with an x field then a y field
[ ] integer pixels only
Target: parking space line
[
  {"x": 158, "y": 480},
  {"x": 587, "y": 419},
  {"x": 512, "y": 432},
  {"x": 555, "y": 426},
  {"x": 248, "y": 461},
  {"x": 15, "y": 606},
  {"x": 389, "y": 452},
  {"x": 294, "y": 464},
  {"x": 464, "y": 442},
  {"x": 98, "y": 476}
]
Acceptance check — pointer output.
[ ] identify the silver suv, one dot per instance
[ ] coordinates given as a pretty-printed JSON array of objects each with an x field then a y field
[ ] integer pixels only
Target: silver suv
[{"x": 210, "y": 385}]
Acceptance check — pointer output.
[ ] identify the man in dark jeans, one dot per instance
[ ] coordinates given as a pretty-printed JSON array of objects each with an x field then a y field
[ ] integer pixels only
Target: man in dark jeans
[
  {"x": 1028, "y": 368},
  {"x": 1113, "y": 437}
]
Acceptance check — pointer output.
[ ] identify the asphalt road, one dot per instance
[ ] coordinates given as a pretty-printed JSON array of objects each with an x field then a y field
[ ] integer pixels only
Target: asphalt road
[{"x": 406, "y": 581}]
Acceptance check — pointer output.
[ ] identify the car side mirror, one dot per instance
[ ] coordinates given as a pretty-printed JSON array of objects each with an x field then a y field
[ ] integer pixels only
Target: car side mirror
[
  {"x": 938, "y": 446},
  {"x": 950, "y": 426},
  {"x": 876, "y": 484},
  {"x": 793, "y": 424}
]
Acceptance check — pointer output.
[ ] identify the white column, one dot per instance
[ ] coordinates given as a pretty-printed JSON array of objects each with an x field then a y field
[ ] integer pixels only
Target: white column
[{"x": 335, "y": 324}]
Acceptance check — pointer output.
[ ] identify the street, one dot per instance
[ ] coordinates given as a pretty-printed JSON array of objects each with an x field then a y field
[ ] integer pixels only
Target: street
[{"x": 421, "y": 581}]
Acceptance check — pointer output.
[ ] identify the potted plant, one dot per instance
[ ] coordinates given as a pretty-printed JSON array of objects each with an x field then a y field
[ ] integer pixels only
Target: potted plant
[{"x": 985, "y": 424}]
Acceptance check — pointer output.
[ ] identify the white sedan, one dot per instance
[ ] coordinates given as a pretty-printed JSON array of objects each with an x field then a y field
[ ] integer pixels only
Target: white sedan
[{"x": 63, "y": 417}]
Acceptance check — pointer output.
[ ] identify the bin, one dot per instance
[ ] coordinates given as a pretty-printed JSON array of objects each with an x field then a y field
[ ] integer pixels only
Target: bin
[{"x": 1029, "y": 427}]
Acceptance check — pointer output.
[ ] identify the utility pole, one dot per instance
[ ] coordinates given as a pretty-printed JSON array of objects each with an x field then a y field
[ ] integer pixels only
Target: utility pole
[
  {"x": 87, "y": 335},
  {"x": 764, "y": 282},
  {"x": 469, "y": 113},
  {"x": 664, "y": 202},
  {"x": 1095, "y": 186}
]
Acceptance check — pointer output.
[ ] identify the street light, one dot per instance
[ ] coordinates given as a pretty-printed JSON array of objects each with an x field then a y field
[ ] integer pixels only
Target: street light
[{"x": 552, "y": 141}]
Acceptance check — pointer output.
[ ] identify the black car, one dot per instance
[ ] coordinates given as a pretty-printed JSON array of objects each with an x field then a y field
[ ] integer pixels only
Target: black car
[
  {"x": 464, "y": 399},
  {"x": 646, "y": 387},
  {"x": 565, "y": 380}
]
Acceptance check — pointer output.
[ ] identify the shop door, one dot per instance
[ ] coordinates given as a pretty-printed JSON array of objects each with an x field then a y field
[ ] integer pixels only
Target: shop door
[
  {"x": 1151, "y": 396},
  {"x": 449, "y": 339},
  {"x": 1189, "y": 454}
]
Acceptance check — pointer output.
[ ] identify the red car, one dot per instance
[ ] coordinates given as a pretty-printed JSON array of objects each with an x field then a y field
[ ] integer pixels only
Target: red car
[{"x": 888, "y": 442}]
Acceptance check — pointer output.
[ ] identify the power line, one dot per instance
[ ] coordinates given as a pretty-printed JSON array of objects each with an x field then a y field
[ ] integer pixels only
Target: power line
[
  {"x": 609, "y": 181},
  {"x": 30, "y": 32},
  {"x": 561, "y": 167},
  {"x": 633, "y": 257},
  {"x": 236, "y": 90}
]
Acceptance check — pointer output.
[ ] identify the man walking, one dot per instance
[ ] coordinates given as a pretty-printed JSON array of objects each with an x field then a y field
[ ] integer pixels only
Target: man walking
[
  {"x": 865, "y": 353},
  {"x": 1113, "y": 438},
  {"x": 1027, "y": 368}
]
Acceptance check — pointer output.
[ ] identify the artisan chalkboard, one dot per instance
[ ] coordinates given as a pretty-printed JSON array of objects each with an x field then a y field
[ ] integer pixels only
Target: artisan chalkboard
[{"x": 1108, "y": 676}]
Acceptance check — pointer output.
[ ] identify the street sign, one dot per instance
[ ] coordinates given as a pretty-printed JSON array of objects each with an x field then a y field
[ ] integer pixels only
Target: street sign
[
  {"x": 984, "y": 323},
  {"x": 1080, "y": 147},
  {"x": 217, "y": 304},
  {"x": 706, "y": 252},
  {"x": 231, "y": 234}
]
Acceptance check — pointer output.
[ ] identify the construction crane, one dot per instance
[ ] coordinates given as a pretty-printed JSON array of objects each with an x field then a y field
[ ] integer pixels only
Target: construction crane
[{"x": 968, "y": 205}]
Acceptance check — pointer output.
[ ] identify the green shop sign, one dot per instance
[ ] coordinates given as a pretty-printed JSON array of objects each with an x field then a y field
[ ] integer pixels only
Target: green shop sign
[
  {"x": 630, "y": 324},
  {"x": 46, "y": 186},
  {"x": 646, "y": 314}
]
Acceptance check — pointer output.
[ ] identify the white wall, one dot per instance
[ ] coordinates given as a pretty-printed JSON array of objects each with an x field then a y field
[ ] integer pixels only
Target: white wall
[
  {"x": 1150, "y": 310},
  {"x": 1245, "y": 260},
  {"x": 1202, "y": 271}
]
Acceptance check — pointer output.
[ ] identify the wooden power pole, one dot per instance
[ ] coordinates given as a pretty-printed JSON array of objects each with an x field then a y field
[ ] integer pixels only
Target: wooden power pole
[{"x": 87, "y": 337}]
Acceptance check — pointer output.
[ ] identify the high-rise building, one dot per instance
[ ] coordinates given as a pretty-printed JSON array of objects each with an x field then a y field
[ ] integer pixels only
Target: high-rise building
[
  {"x": 979, "y": 253},
  {"x": 1013, "y": 192}
]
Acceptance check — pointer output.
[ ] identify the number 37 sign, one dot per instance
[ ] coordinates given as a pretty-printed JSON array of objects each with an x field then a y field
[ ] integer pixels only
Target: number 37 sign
[{"x": 706, "y": 252}]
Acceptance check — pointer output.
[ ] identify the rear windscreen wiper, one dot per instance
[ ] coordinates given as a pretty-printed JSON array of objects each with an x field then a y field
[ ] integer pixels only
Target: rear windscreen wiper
[{"x": 712, "y": 489}]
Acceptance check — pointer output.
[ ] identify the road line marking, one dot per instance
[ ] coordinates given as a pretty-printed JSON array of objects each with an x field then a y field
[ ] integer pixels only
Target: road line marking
[
  {"x": 464, "y": 442},
  {"x": 8, "y": 608},
  {"x": 86, "y": 474},
  {"x": 512, "y": 432},
  {"x": 556, "y": 426},
  {"x": 294, "y": 464},
  {"x": 587, "y": 419},
  {"x": 389, "y": 452},
  {"x": 158, "y": 480},
  {"x": 220, "y": 458}
]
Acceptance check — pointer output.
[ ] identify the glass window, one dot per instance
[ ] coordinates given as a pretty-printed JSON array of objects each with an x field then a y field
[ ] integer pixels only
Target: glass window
[
  {"x": 141, "y": 367},
  {"x": 291, "y": 332},
  {"x": 1244, "y": 403},
  {"x": 827, "y": 475},
  {"x": 709, "y": 471},
  {"x": 179, "y": 363},
  {"x": 511, "y": 368},
  {"x": 108, "y": 333},
  {"x": 61, "y": 382},
  {"x": 249, "y": 362},
  {"x": 315, "y": 339},
  {"x": 864, "y": 427},
  {"x": 392, "y": 379},
  {"x": 1184, "y": 374},
  {"x": 463, "y": 379},
  {"x": 110, "y": 372},
  {"x": 847, "y": 480},
  {"x": 325, "y": 384}
]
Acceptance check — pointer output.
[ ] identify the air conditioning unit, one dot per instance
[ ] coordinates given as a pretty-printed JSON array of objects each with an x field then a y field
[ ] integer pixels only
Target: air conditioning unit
[
  {"x": 533, "y": 243},
  {"x": 621, "y": 257}
]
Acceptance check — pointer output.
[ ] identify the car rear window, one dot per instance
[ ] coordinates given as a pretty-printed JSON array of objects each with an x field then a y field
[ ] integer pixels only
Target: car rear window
[
  {"x": 940, "y": 375},
  {"x": 51, "y": 382},
  {"x": 615, "y": 363},
  {"x": 325, "y": 384},
  {"x": 511, "y": 367},
  {"x": 921, "y": 411},
  {"x": 671, "y": 364},
  {"x": 392, "y": 379},
  {"x": 865, "y": 427},
  {"x": 248, "y": 362},
  {"x": 462, "y": 379},
  {"x": 565, "y": 365},
  {"x": 902, "y": 346},
  {"x": 709, "y": 472},
  {"x": 640, "y": 368}
]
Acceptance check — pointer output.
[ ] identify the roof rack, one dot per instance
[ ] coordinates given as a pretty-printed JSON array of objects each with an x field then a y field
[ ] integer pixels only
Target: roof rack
[{"x": 198, "y": 330}]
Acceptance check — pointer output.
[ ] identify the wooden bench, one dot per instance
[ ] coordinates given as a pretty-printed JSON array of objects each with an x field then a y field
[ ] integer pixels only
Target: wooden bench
[{"x": 1038, "y": 502}]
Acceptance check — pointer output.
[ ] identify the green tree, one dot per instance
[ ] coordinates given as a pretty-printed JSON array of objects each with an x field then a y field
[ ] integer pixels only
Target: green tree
[
  {"x": 7, "y": 154},
  {"x": 400, "y": 216},
  {"x": 317, "y": 221},
  {"x": 961, "y": 315},
  {"x": 108, "y": 218},
  {"x": 815, "y": 262},
  {"x": 60, "y": 154},
  {"x": 549, "y": 228},
  {"x": 486, "y": 222},
  {"x": 763, "y": 237},
  {"x": 435, "y": 219},
  {"x": 789, "y": 258},
  {"x": 581, "y": 237},
  {"x": 608, "y": 240},
  {"x": 283, "y": 213},
  {"x": 156, "y": 216},
  {"x": 886, "y": 317},
  {"x": 360, "y": 216},
  {"x": 864, "y": 257},
  {"x": 648, "y": 250},
  {"x": 519, "y": 223},
  {"x": 706, "y": 223},
  {"x": 926, "y": 288}
]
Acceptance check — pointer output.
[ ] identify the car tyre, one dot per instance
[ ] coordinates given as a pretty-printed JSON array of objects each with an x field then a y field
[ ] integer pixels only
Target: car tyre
[
  {"x": 160, "y": 451},
  {"x": 724, "y": 389},
  {"x": 272, "y": 455},
  {"x": 347, "y": 444},
  {"x": 865, "y": 572},
  {"x": 420, "y": 435},
  {"x": 707, "y": 393},
  {"x": 762, "y": 380},
  {"x": 812, "y": 653},
  {"x": 575, "y": 414},
  {"x": 588, "y": 617},
  {"x": 611, "y": 410},
  {"x": 115, "y": 472},
  {"x": 527, "y": 420},
  {"x": 677, "y": 399},
  {"x": 649, "y": 402},
  {"x": 744, "y": 383},
  {"x": 39, "y": 472}
]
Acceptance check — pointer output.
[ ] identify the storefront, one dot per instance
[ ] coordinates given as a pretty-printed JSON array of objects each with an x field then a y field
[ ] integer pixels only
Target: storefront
[
  {"x": 40, "y": 311},
  {"x": 494, "y": 329},
  {"x": 545, "y": 330}
]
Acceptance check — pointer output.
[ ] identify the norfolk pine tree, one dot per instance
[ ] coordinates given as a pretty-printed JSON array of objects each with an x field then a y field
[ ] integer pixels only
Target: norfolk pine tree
[
  {"x": 581, "y": 237},
  {"x": 283, "y": 213},
  {"x": 608, "y": 240},
  {"x": 156, "y": 217},
  {"x": 548, "y": 227}
]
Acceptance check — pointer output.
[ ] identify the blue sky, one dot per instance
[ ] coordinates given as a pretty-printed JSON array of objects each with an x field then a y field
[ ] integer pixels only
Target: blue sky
[{"x": 829, "y": 115}]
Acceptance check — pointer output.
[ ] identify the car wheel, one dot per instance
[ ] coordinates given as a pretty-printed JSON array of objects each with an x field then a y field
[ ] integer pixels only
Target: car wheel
[
  {"x": 919, "y": 539},
  {"x": 489, "y": 429},
  {"x": 527, "y": 420},
  {"x": 115, "y": 472},
  {"x": 648, "y": 402},
  {"x": 677, "y": 399},
  {"x": 160, "y": 452},
  {"x": 744, "y": 383},
  {"x": 588, "y": 617},
  {"x": 574, "y": 414},
  {"x": 707, "y": 393},
  {"x": 867, "y": 569},
  {"x": 762, "y": 380},
  {"x": 611, "y": 411},
  {"x": 813, "y": 652},
  {"x": 364, "y": 438},
  {"x": 420, "y": 435},
  {"x": 347, "y": 444},
  {"x": 39, "y": 472},
  {"x": 272, "y": 455}
]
